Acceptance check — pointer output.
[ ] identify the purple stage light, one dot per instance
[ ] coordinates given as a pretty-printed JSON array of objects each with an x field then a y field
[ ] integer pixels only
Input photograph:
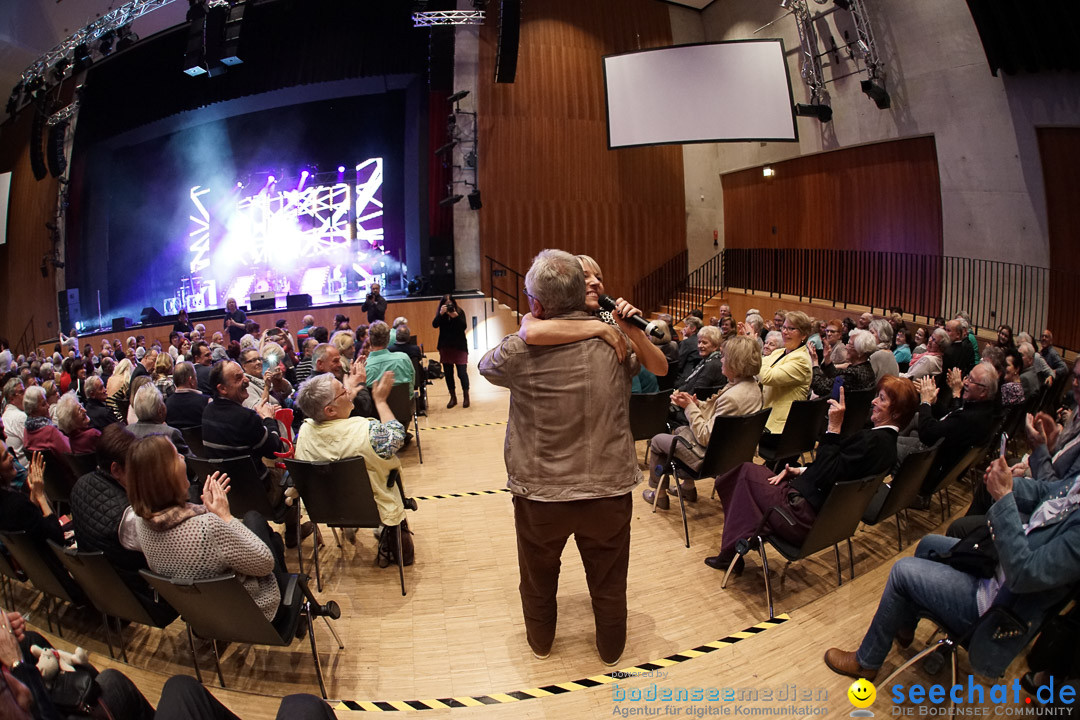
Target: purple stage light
[
  {"x": 341, "y": 168},
  {"x": 271, "y": 180},
  {"x": 303, "y": 179}
]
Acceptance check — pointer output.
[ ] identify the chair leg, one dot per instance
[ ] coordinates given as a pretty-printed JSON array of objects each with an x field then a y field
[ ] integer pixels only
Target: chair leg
[
  {"x": 851, "y": 558},
  {"x": 899, "y": 534},
  {"x": 662, "y": 487},
  {"x": 108, "y": 634},
  {"x": 682, "y": 509},
  {"x": 123, "y": 643},
  {"x": 337, "y": 539},
  {"x": 300, "y": 536},
  {"x": 839, "y": 577},
  {"x": 48, "y": 611},
  {"x": 194, "y": 657},
  {"x": 341, "y": 645},
  {"x": 314, "y": 648},
  {"x": 419, "y": 447},
  {"x": 952, "y": 701},
  {"x": 765, "y": 572},
  {"x": 318, "y": 565},
  {"x": 217, "y": 663},
  {"x": 730, "y": 567},
  {"x": 400, "y": 560},
  {"x": 917, "y": 657}
]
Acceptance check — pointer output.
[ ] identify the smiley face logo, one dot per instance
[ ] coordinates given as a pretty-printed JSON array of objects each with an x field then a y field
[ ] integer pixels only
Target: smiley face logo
[{"x": 862, "y": 693}]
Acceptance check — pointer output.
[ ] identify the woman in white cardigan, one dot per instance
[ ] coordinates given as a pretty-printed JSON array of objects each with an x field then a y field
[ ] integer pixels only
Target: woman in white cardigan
[{"x": 741, "y": 396}]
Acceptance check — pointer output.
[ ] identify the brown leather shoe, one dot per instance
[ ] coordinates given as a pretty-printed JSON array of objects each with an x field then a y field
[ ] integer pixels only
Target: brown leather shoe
[
  {"x": 845, "y": 663},
  {"x": 904, "y": 638}
]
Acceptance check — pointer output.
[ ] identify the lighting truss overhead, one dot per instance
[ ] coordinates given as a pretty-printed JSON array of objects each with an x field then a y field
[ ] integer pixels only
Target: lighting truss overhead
[
  {"x": 448, "y": 17},
  {"x": 64, "y": 114}
]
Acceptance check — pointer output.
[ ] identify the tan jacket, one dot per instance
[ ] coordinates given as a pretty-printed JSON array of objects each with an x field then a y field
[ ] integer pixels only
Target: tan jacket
[
  {"x": 740, "y": 398},
  {"x": 784, "y": 379},
  {"x": 568, "y": 435}
]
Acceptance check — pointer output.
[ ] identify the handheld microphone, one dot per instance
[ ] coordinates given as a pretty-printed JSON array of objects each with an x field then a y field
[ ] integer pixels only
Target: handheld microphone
[{"x": 650, "y": 328}]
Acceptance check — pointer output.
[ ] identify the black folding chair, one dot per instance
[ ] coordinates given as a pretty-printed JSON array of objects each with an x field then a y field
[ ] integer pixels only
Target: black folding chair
[
  {"x": 801, "y": 430},
  {"x": 221, "y": 609},
  {"x": 339, "y": 494},
  {"x": 648, "y": 416},
  {"x": 59, "y": 477},
  {"x": 962, "y": 465},
  {"x": 246, "y": 490},
  {"x": 108, "y": 592},
  {"x": 836, "y": 521},
  {"x": 856, "y": 410},
  {"x": 403, "y": 405},
  {"x": 731, "y": 443},
  {"x": 897, "y": 496},
  {"x": 193, "y": 437},
  {"x": 82, "y": 463},
  {"x": 45, "y": 573},
  {"x": 8, "y": 573}
]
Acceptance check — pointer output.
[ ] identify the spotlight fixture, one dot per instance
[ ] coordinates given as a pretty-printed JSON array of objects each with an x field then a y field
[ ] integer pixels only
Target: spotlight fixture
[
  {"x": 822, "y": 112},
  {"x": 446, "y": 149},
  {"x": 35, "y": 86},
  {"x": 82, "y": 58},
  {"x": 60, "y": 68},
  {"x": 458, "y": 96},
  {"x": 126, "y": 38},
  {"x": 106, "y": 45},
  {"x": 768, "y": 172},
  {"x": 474, "y": 200},
  {"x": 843, "y": 4},
  {"x": 341, "y": 168},
  {"x": 451, "y": 200},
  {"x": 877, "y": 93}
]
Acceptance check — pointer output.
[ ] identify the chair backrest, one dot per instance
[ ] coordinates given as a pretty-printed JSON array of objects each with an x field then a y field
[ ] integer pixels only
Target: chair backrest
[
  {"x": 840, "y": 515},
  {"x": 401, "y": 403},
  {"x": 733, "y": 441},
  {"x": 6, "y": 568},
  {"x": 193, "y": 437},
  {"x": 218, "y": 608},
  {"x": 336, "y": 493},
  {"x": 1057, "y": 393},
  {"x": 905, "y": 484},
  {"x": 104, "y": 587},
  {"x": 246, "y": 489},
  {"x": 959, "y": 468},
  {"x": 804, "y": 422},
  {"x": 59, "y": 477},
  {"x": 41, "y": 574},
  {"x": 648, "y": 414},
  {"x": 856, "y": 410},
  {"x": 81, "y": 463}
]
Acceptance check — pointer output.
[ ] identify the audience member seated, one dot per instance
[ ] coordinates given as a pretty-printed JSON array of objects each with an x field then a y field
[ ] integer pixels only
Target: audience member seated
[
  {"x": 184, "y": 408},
  {"x": 303, "y": 368},
  {"x": 1012, "y": 389},
  {"x": 41, "y": 432},
  {"x": 345, "y": 341},
  {"x": 105, "y": 522},
  {"x": 72, "y": 420},
  {"x": 930, "y": 361},
  {"x": 145, "y": 364},
  {"x": 52, "y": 396},
  {"x": 326, "y": 359},
  {"x": 748, "y": 491},
  {"x": 741, "y": 396},
  {"x": 163, "y": 380},
  {"x": 785, "y": 374},
  {"x": 403, "y": 344},
  {"x": 150, "y": 411},
  {"x": 644, "y": 383},
  {"x": 959, "y": 354},
  {"x": 1029, "y": 378},
  {"x": 1036, "y": 569},
  {"x": 883, "y": 361},
  {"x": 902, "y": 350},
  {"x": 1050, "y": 355},
  {"x": 857, "y": 375},
  {"x": 15, "y": 418},
  {"x": 1042, "y": 369},
  {"x": 101, "y": 416},
  {"x": 116, "y": 391},
  {"x": 689, "y": 356},
  {"x": 253, "y": 363},
  {"x": 133, "y": 389},
  {"x": 381, "y": 360},
  {"x": 773, "y": 339},
  {"x": 330, "y": 433},
  {"x": 30, "y": 512},
  {"x": 1005, "y": 337},
  {"x": 709, "y": 372},
  {"x": 203, "y": 360},
  {"x": 231, "y": 430}
]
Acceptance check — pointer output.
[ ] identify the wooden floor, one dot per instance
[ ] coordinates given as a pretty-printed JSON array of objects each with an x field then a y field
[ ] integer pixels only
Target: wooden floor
[{"x": 459, "y": 632}]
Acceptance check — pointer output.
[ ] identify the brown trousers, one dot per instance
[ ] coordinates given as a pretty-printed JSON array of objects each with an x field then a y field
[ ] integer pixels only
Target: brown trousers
[{"x": 601, "y": 529}]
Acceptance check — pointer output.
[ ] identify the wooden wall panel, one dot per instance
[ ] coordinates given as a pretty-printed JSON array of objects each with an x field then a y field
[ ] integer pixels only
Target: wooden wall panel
[
  {"x": 547, "y": 176},
  {"x": 1059, "y": 149},
  {"x": 25, "y": 294},
  {"x": 884, "y": 197}
]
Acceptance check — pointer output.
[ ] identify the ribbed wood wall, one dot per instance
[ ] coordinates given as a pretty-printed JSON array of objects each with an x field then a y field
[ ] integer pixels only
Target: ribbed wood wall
[
  {"x": 884, "y": 197},
  {"x": 1059, "y": 149},
  {"x": 25, "y": 293},
  {"x": 545, "y": 171}
]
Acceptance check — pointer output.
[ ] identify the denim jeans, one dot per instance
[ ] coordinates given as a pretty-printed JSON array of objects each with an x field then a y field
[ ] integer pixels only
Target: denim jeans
[{"x": 919, "y": 586}]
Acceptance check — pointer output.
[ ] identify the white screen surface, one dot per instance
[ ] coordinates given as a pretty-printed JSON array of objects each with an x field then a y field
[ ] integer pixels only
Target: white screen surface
[
  {"x": 5, "y": 198},
  {"x": 699, "y": 93}
]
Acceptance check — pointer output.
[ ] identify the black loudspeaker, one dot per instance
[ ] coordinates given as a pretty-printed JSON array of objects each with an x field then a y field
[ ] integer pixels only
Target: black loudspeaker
[
  {"x": 121, "y": 323},
  {"x": 263, "y": 303},
  {"x": 298, "y": 302},
  {"x": 150, "y": 315},
  {"x": 56, "y": 158},
  {"x": 474, "y": 200},
  {"x": 441, "y": 59},
  {"x": 37, "y": 138},
  {"x": 506, "y": 53},
  {"x": 230, "y": 53}
]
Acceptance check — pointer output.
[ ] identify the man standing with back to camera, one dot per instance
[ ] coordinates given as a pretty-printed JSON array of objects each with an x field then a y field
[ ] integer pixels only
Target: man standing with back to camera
[{"x": 569, "y": 457}]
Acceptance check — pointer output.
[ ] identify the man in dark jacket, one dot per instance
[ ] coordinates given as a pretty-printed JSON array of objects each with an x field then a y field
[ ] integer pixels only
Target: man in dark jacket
[
  {"x": 689, "y": 357},
  {"x": 99, "y": 413},
  {"x": 104, "y": 521},
  {"x": 184, "y": 408},
  {"x": 203, "y": 361},
  {"x": 374, "y": 305}
]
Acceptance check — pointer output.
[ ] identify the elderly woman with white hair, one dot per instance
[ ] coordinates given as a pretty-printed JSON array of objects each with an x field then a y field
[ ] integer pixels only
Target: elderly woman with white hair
[
  {"x": 73, "y": 421},
  {"x": 883, "y": 361},
  {"x": 857, "y": 375},
  {"x": 149, "y": 407},
  {"x": 929, "y": 362},
  {"x": 41, "y": 432}
]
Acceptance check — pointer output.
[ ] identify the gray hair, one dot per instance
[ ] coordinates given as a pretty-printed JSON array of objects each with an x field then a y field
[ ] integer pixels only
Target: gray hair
[
  {"x": 712, "y": 334},
  {"x": 271, "y": 348},
  {"x": 320, "y": 352},
  {"x": 315, "y": 394},
  {"x": 34, "y": 399},
  {"x": 1024, "y": 337},
  {"x": 183, "y": 373},
  {"x": 148, "y": 403},
  {"x": 1027, "y": 350},
  {"x": 991, "y": 378},
  {"x": 776, "y": 337},
  {"x": 93, "y": 384},
  {"x": 557, "y": 282},
  {"x": 756, "y": 321},
  {"x": 863, "y": 342},
  {"x": 965, "y": 323},
  {"x": 66, "y": 412},
  {"x": 11, "y": 388},
  {"x": 693, "y": 320},
  {"x": 883, "y": 330},
  {"x": 942, "y": 338},
  {"x": 398, "y": 321},
  {"x": 403, "y": 334}
]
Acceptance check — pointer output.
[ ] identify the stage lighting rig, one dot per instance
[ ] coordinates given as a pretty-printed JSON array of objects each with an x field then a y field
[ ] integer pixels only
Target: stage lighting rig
[
  {"x": 458, "y": 96},
  {"x": 105, "y": 46},
  {"x": 447, "y": 17},
  {"x": 820, "y": 111},
  {"x": 450, "y": 200},
  {"x": 446, "y": 149}
]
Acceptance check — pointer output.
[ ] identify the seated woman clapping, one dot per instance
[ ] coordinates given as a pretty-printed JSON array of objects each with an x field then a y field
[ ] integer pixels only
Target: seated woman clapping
[
  {"x": 741, "y": 396},
  {"x": 748, "y": 491}
]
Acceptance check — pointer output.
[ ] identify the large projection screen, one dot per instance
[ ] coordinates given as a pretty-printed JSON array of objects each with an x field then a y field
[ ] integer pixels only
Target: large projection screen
[{"x": 712, "y": 92}]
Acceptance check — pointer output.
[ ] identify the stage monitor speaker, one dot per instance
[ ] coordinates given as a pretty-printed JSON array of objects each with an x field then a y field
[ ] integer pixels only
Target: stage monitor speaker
[
  {"x": 506, "y": 52},
  {"x": 150, "y": 315},
  {"x": 298, "y": 302},
  {"x": 121, "y": 323},
  {"x": 263, "y": 301}
]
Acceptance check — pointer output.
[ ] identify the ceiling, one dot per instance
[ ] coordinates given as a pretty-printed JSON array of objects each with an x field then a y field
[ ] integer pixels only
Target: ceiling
[{"x": 30, "y": 28}]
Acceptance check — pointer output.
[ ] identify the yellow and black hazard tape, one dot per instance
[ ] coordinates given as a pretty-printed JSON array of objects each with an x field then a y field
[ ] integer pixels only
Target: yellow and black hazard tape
[
  {"x": 558, "y": 688},
  {"x": 471, "y": 493},
  {"x": 469, "y": 425}
]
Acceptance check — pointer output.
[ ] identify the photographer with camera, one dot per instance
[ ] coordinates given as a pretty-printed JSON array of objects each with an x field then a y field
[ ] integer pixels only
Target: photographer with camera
[
  {"x": 453, "y": 348},
  {"x": 374, "y": 304}
]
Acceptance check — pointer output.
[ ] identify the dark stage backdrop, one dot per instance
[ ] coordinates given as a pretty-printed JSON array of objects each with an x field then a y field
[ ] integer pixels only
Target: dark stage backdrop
[{"x": 192, "y": 217}]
